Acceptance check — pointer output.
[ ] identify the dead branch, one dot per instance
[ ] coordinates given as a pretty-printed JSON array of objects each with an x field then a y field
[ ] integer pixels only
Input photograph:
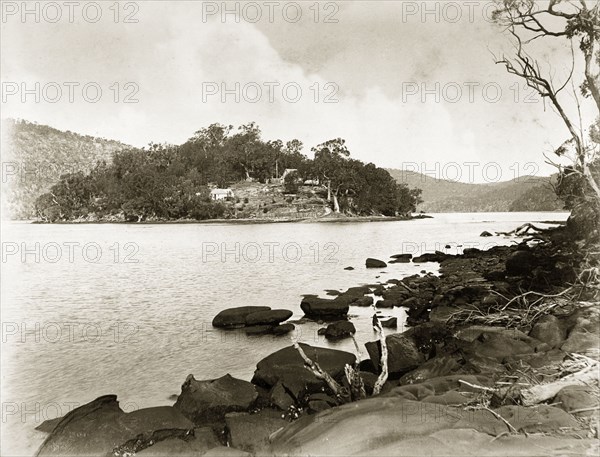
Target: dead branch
[
  {"x": 319, "y": 372},
  {"x": 384, "y": 360}
]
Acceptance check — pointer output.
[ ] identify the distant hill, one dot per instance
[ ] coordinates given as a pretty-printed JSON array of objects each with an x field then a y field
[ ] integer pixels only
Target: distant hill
[
  {"x": 34, "y": 156},
  {"x": 527, "y": 193}
]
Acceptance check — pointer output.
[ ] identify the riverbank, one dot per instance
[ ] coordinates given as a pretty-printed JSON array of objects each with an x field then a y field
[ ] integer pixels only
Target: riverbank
[
  {"x": 458, "y": 334},
  {"x": 328, "y": 218}
]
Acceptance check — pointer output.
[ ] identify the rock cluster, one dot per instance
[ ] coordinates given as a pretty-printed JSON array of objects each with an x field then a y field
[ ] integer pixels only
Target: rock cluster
[{"x": 256, "y": 320}]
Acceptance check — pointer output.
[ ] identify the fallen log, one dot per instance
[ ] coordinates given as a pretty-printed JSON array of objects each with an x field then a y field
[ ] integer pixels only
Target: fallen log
[{"x": 543, "y": 392}]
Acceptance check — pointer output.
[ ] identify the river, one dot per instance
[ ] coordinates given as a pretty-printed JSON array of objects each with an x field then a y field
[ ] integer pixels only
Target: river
[{"x": 94, "y": 309}]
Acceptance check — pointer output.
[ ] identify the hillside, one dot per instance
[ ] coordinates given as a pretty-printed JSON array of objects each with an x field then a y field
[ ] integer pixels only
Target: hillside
[
  {"x": 527, "y": 193},
  {"x": 35, "y": 156}
]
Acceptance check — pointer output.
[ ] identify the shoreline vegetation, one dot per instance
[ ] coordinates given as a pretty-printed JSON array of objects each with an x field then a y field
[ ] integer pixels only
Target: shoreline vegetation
[{"x": 500, "y": 357}]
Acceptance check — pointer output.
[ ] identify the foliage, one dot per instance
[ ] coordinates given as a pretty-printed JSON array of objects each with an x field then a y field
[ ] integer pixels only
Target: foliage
[{"x": 165, "y": 182}]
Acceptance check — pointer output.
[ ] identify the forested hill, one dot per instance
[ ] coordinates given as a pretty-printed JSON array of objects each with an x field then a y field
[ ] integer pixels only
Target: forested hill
[
  {"x": 34, "y": 157},
  {"x": 527, "y": 193}
]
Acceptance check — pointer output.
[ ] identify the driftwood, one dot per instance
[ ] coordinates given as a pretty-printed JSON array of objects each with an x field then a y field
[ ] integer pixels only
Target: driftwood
[
  {"x": 319, "y": 372},
  {"x": 543, "y": 392},
  {"x": 522, "y": 230},
  {"x": 384, "y": 358}
]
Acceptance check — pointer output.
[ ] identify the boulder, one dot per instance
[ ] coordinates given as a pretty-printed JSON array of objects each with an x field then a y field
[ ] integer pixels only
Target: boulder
[
  {"x": 574, "y": 398},
  {"x": 101, "y": 427},
  {"x": 320, "y": 308},
  {"x": 485, "y": 233},
  {"x": 206, "y": 402},
  {"x": 271, "y": 317},
  {"x": 375, "y": 263},
  {"x": 236, "y": 317},
  {"x": 250, "y": 432},
  {"x": 583, "y": 335},
  {"x": 200, "y": 441},
  {"x": 258, "y": 329},
  {"x": 279, "y": 397},
  {"x": 392, "y": 322},
  {"x": 363, "y": 301},
  {"x": 340, "y": 329},
  {"x": 283, "y": 329},
  {"x": 549, "y": 330},
  {"x": 349, "y": 268},
  {"x": 406, "y": 257},
  {"x": 403, "y": 353},
  {"x": 520, "y": 263},
  {"x": 437, "y": 256},
  {"x": 286, "y": 366}
]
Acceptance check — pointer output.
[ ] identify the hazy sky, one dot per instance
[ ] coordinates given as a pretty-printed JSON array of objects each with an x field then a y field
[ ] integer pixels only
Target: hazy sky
[{"x": 409, "y": 84}]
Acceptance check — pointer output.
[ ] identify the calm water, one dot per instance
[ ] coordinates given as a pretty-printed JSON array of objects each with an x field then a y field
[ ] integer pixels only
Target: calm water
[{"x": 130, "y": 314}]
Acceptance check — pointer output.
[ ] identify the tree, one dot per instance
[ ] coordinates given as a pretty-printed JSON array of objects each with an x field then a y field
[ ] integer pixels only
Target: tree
[{"x": 530, "y": 22}]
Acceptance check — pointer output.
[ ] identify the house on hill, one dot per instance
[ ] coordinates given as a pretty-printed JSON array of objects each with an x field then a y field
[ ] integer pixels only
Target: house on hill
[{"x": 221, "y": 194}]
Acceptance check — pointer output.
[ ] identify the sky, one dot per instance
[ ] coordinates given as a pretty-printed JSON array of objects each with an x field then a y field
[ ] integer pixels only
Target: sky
[{"x": 409, "y": 85}]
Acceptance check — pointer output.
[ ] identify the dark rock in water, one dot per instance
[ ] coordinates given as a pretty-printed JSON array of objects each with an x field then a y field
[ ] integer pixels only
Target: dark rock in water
[
  {"x": 375, "y": 263},
  {"x": 367, "y": 365},
  {"x": 363, "y": 301},
  {"x": 250, "y": 432},
  {"x": 401, "y": 260},
  {"x": 471, "y": 253},
  {"x": 283, "y": 329},
  {"x": 387, "y": 303},
  {"x": 402, "y": 256},
  {"x": 340, "y": 329},
  {"x": 236, "y": 317},
  {"x": 332, "y": 292},
  {"x": 485, "y": 233},
  {"x": 349, "y": 268},
  {"x": 549, "y": 330},
  {"x": 100, "y": 427},
  {"x": 520, "y": 263},
  {"x": 437, "y": 256},
  {"x": 271, "y": 317},
  {"x": 319, "y": 308},
  {"x": 258, "y": 329},
  {"x": 392, "y": 322},
  {"x": 403, "y": 353},
  {"x": 287, "y": 367},
  {"x": 201, "y": 440},
  {"x": 207, "y": 402}
]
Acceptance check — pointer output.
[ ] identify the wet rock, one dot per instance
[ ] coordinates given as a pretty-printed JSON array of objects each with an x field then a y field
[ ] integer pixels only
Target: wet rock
[
  {"x": 197, "y": 443},
  {"x": 340, "y": 329},
  {"x": 280, "y": 397},
  {"x": 583, "y": 335},
  {"x": 437, "y": 256},
  {"x": 369, "y": 380},
  {"x": 574, "y": 398},
  {"x": 375, "y": 263},
  {"x": 363, "y": 301},
  {"x": 520, "y": 263},
  {"x": 250, "y": 432},
  {"x": 549, "y": 330},
  {"x": 236, "y": 317},
  {"x": 206, "y": 402},
  {"x": 402, "y": 256},
  {"x": 386, "y": 303},
  {"x": 319, "y": 308},
  {"x": 258, "y": 329},
  {"x": 349, "y": 268},
  {"x": 392, "y": 322},
  {"x": 99, "y": 427},
  {"x": 403, "y": 353},
  {"x": 485, "y": 233},
  {"x": 287, "y": 367},
  {"x": 271, "y": 317},
  {"x": 283, "y": 329}
]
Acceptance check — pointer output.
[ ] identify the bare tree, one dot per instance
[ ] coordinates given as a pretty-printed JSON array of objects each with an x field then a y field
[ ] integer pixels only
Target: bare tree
[{"x": 528, "y": 21}]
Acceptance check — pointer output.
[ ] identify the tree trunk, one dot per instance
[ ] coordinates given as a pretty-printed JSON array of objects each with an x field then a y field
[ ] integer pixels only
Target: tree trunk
[{"x": 336, "y": 205}]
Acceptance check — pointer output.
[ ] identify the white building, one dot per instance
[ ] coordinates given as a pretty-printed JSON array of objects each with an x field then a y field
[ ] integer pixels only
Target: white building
[{"x": 220, "y": 194}]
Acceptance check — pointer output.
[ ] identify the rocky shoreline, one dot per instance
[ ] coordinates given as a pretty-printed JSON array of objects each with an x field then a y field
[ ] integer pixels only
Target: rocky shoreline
[{"x": 500, "y": 359}]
